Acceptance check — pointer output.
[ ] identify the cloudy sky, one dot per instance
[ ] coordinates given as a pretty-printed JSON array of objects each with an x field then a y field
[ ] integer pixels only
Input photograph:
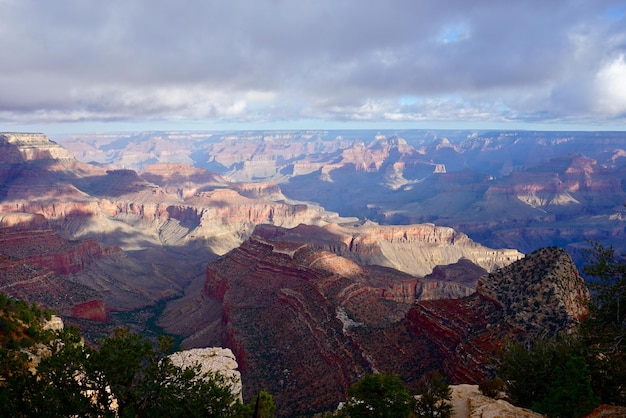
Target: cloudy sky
[{"x": 265, "y": 64}]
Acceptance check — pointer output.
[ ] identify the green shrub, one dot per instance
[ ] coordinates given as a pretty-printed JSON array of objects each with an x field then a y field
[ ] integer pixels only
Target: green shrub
[{"x": 492, "y": 388}]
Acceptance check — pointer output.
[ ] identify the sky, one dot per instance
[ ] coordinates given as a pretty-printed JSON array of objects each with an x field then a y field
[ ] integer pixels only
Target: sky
[{"x": 78, "y": 65}]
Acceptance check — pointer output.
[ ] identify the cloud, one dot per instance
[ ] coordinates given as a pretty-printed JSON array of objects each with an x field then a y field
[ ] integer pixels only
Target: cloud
[
  {"x": 326, "y": 60},
  {"x": 610, "y": 85}
]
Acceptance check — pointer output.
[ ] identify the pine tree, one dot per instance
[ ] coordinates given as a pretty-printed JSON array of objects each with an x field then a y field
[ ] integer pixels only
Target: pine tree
[{"x": 570, "y": 394}]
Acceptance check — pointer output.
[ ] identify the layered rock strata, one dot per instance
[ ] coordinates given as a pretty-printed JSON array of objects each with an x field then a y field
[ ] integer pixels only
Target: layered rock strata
[
  {"x": 305, "y": 324},
  {"x": 413, "y": 249}
]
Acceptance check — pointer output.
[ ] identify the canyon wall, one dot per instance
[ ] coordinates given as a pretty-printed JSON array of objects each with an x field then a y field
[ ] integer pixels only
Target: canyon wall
[{"x": 306, "y": 323}]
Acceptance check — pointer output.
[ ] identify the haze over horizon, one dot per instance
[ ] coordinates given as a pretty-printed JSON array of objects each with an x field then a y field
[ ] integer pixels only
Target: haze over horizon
[{"x": 73, "y": 66}]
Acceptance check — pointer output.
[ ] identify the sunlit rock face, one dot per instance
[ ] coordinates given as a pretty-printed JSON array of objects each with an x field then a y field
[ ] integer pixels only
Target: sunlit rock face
[
  {"x": 468, "y": 402},
  {"x": 522, "y": 190},
  {"x": 212, "y": 360},
  {"x": 55, "y": 323},
  {"x": 17, "y": 148},
  {"x": 413, "y": 249}
]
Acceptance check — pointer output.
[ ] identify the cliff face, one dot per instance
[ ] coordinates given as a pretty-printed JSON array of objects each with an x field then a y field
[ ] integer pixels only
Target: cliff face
[
  {"x": 46, "y": 249},
  {"x": 170, "y": 204},
  {"x": 305, "y": 323},
  {"x": 33, "y": 266},
  {"x": 283, "y": 329},
  {"x": 413, "y": 249},
  {"x": 16, "y": 148},
  {"x": 522, "y": 190},
  {"x": 550, "y": 281}
]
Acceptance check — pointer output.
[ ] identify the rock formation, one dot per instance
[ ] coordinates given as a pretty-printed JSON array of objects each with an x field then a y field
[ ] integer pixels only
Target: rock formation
[
  {"x": 468, "y": 402},
  {"x": 539, "y": 295},
  {"x": 413, "y": 249},
  {"x": 16, "y": 148},
  {"x": 523, "y": 190},
  {"x": 212, "y": 360},
  {"x": 313, "y": 300}
]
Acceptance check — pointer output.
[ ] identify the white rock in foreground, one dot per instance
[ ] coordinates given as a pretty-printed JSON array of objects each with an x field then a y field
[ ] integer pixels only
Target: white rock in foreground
[
  {"x": 55, "y": 323},
  {"x": 213, "y": 359},
  {"x": 468, "y": 402}
]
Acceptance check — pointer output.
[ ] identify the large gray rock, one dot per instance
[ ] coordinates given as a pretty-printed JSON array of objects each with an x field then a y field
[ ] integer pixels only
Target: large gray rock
[{"x": 212, "y": 360}]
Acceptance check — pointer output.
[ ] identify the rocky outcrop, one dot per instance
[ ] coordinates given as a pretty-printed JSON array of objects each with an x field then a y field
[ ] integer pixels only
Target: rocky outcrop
[
  {"x": 36, "y": 284},
  {"x": 16, "y": 148},
  {"x": 550, "y": 282},
  {"x": 33, "y": 263},
  {"x": 45, "y": 248},
  {"x": 608, "y": 411},
  {"x": 306, "y": 323},
  {"x": 286, "y": 311},
  {"x": 540, "y": 295},
  {"x": 469, "y": 402},
  {"x": 212, "y": 360},
  {"x": 450, "y": 281}
]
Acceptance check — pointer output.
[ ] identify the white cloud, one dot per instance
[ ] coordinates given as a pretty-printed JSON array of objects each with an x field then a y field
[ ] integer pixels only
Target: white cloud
[{"x": 610, "y": 84}]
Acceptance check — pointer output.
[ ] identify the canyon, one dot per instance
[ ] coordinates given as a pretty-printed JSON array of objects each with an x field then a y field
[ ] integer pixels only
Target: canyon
[{"x": 310, "y": 253}]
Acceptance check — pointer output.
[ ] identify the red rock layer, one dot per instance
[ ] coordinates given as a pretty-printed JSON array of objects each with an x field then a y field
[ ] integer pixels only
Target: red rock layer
[
  {"x": 94, "y": 310},
  {"x": 45, "y": 248},
  {"x": 32, "y": 262}
]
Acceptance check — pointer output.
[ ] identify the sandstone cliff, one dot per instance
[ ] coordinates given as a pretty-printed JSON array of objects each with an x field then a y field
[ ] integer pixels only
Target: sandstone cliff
[
  {"x": 16, "y": 148},
  {"x": 413, "y": 249}
]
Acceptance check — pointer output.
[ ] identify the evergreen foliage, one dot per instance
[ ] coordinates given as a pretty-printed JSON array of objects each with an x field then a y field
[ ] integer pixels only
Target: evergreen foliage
[
  {"x": 530, "y": 371},
  {"x": 492, "y": 387},
  {"x": 570, "y": 393},
  {"x": 52, "y": 374},
  {"x": 604, "y": 329},
  {"x": 379, "y": 395},
  {"x": 434, "y": 401},
  {"x": 264, "y": 406},
  {"x": 568, "y": 376}
]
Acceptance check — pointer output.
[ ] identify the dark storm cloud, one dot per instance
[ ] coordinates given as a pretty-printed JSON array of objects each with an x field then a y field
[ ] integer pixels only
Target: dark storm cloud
[{"x": 323, "y": 59}]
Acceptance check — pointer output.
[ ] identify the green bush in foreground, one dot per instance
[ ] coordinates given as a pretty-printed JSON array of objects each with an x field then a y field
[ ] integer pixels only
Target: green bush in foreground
[{"x": 52, "y": 374}]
